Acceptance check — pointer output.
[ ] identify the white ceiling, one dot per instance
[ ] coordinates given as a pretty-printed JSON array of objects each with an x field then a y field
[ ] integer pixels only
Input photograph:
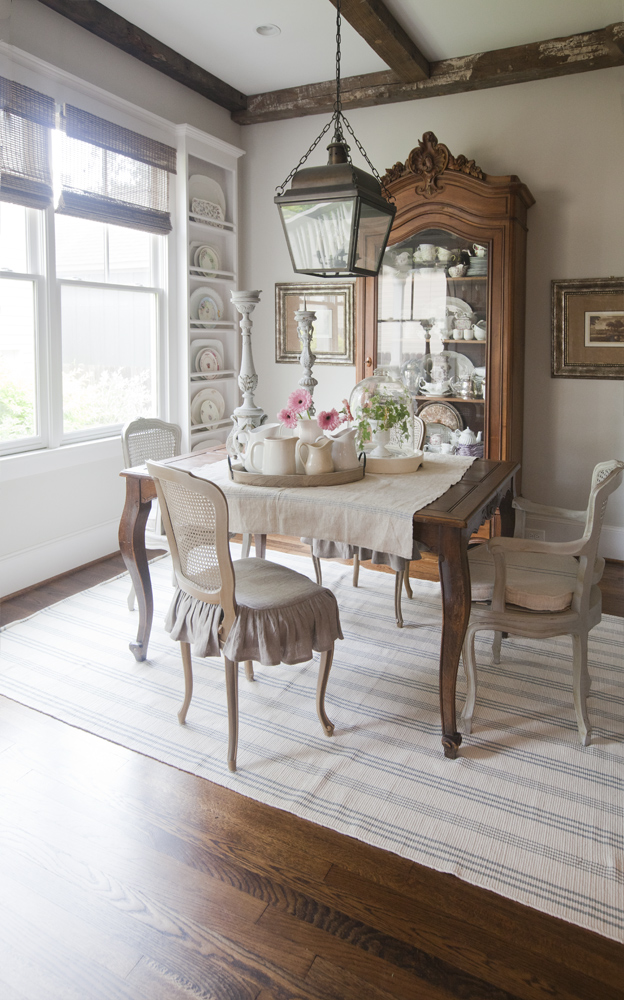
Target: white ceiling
[{"x": 220, "y": 35}]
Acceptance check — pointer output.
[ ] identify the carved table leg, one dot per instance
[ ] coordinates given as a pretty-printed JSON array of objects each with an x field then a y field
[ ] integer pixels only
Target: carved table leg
[
  {"x": 455, "y": 581},
  {"x": 507, "y": 513},
  {"x": 132, "y": 546}
]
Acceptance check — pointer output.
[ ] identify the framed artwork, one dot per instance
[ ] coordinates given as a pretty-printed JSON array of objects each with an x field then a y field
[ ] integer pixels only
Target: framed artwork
[
  {"x": 588, "y": 328},
  {"x": 333, "y": 303}
]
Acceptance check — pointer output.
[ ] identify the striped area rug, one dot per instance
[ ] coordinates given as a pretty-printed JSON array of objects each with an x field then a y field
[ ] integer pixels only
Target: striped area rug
[{"x": 525, "y": 811}]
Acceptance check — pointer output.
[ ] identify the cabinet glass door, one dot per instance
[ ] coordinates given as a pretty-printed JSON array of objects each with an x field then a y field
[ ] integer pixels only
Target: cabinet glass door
[{"x": 433, "y": 331}]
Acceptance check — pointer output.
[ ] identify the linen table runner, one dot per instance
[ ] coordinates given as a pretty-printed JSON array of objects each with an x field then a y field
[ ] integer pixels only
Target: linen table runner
[{"x": 376, "y": 512}]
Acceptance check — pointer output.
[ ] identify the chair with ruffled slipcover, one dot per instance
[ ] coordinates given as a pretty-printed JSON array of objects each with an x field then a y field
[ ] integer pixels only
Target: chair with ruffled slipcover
[{"x": 251, "y": 609}]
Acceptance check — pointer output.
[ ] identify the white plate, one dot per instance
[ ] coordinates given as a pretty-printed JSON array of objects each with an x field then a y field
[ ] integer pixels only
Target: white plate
[
  {"x": 201, "y": 441},
  {"x": 207, "y": 361},
  {"x": 200, "y": 186},
  {"x": 206, "y": 293},
  {"x": 207, "y": 259},
  {"x": 458, "y": 306},
  {"x": 198, "y": 345},
  {"x": 199, "y": 398}
]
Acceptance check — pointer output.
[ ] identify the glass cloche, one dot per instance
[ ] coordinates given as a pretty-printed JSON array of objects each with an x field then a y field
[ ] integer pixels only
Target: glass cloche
[{"x": 384, "y": 417}]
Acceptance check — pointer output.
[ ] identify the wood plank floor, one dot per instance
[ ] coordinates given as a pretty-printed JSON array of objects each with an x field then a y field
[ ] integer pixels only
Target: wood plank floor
[{"x": 124, "y": 878}]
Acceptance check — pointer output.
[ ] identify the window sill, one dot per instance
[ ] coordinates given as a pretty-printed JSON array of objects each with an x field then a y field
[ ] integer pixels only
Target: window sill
[{"x": 37, "y": 463}]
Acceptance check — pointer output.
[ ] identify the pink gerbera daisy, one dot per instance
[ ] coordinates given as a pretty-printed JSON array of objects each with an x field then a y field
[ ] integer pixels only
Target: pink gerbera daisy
[
  {"x": 329, "y": 420},
  {"x": 299, "y": 400},
  {"x": 288, "y": 417}
]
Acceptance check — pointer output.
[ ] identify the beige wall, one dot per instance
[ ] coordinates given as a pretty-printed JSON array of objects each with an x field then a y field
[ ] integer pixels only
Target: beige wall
[{"x": 565, "y": 139}]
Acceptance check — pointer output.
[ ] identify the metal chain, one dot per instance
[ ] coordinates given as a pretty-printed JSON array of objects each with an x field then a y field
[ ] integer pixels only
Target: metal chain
[
  {"x": 280, "y": 189},
  {"x": 337, "y": 119}
]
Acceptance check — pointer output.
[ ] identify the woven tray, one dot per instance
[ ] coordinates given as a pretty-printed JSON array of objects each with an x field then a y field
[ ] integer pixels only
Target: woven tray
[{"x": 238, "y": 474}]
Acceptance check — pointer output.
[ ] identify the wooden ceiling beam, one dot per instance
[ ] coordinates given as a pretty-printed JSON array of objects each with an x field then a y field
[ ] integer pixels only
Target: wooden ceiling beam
[
  {"x": 377, "y": 26},
  {"x": 581, "y": 53},
  {"x": 106, "y": 24}
]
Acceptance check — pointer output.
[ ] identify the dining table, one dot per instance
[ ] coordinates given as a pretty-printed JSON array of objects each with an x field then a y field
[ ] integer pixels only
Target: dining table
[{"x": 444, "y": 526}]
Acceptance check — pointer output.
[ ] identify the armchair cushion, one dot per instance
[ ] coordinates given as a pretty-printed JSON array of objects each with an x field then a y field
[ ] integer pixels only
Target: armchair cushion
[
  {"x": 324, "y": 549},
  {"x": 536, "y": 581},
  {"x": 281, "y": 617}
]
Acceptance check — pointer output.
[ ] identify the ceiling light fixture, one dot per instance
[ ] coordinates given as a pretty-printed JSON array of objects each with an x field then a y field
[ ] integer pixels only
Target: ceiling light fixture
[
  {"x": 268, "y": 29},
  {"x": 335, "y": 218}
]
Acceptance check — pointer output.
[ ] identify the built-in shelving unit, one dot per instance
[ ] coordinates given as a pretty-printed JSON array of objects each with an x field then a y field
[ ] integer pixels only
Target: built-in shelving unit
[{"x": 202, "y": 156}]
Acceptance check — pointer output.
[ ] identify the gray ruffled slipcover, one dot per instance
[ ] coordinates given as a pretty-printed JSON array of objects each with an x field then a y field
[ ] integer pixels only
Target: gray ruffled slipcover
[
  {"x": 282, "y": 617},
  {"x": 322, "y": 548}
]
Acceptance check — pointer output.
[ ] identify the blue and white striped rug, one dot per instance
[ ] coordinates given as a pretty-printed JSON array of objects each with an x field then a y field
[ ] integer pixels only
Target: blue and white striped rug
[{"x": 526, "y": 811}]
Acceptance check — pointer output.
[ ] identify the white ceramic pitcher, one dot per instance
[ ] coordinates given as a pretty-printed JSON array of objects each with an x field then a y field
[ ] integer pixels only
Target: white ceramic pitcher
[
  {"x": 316, "y": 456},
  {"x": 245, "y": 439},
  {"x": 343, "y": 450},
  {"x": 273, "y": 456}
]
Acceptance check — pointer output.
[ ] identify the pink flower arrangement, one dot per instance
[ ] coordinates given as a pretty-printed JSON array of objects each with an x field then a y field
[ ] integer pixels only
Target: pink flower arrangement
[
  {"x": 329, "y": 420},
  {"x": 288, "y": 417},
  {"x": 299, "y": 404}
]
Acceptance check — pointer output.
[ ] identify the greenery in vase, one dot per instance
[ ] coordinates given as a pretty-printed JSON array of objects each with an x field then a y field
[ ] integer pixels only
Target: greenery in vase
[{"x": 386, "y": 412}]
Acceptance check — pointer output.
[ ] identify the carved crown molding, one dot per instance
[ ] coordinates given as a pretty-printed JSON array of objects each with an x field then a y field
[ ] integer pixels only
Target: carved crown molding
[{"x": 428, "y": 161}]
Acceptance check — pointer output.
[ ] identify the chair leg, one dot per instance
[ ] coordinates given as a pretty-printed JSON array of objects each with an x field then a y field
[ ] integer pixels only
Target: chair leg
[
  {"x": 187, "y": 664},
  {"x": 496, "y": 647},
  {"x": 246, "y": 546},
  {"x": 321, "y": 687},
  {"x": 398, "y": 587},
  {"x": 470, "y": 669},
  {"x": 406, "y": 581},
  {"x": 260, "y": 544},
  {"x": 356, "y": 569},
  {"x": 231, "y": 690},
  {"x": 316, "y": 562},
  {"x": 249, "y": 673},
  {"x": 580, "y": 686},
  {"x": 130, "y": 598}
]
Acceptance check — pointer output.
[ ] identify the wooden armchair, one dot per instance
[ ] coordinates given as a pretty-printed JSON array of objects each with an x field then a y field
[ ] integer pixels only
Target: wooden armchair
[
  {"x": 251, "y": 609},
  {"x": 542, "y": 589}
]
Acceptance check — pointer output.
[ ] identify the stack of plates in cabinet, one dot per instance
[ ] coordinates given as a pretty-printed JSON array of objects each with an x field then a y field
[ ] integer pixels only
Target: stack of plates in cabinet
[{"x": 478, "y": 266}]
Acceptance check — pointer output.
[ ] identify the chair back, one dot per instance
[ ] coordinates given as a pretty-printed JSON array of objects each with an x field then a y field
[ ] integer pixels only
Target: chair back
[
  {"x": 149, "y": 438},
  {"x": 195, "y": 515},
  {"x": 606, "y": 478}
]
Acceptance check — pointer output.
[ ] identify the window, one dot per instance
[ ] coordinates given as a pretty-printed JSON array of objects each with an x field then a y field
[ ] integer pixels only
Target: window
[
  {"x": 109, "y": 324},
  {"x": 82, "y": 288},
  {"x": 20, "y": 403}
]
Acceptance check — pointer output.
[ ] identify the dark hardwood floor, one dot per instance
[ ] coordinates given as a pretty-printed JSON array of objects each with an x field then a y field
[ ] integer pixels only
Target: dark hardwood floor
[{"x": 125, "y": 879}]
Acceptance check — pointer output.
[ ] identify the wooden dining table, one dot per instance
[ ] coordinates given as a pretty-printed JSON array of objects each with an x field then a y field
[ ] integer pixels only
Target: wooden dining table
[{"x": 444, "y": 526}]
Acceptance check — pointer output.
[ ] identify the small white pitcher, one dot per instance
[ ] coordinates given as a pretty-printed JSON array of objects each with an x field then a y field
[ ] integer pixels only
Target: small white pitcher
[
  {"x": 273, "y": 456},
  {"x": 316, "y": 456},
  {"x": 343, "y": 451},
  {"x": 245, "y": 439}
]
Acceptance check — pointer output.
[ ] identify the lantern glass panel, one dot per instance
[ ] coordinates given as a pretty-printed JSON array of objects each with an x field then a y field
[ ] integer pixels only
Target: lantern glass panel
[
  {"x": 372, "y": 237},
  {"x": 319, "y": 234}
]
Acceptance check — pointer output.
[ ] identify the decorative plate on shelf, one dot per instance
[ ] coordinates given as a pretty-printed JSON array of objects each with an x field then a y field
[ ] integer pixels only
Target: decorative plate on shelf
[
  {"x": 206, "y": 189},
  {"x": 207, "y": 210},
  {"x": 207, "y": 360},
  {"x": 199, "y": 442},
  {"x": 197, "y": 346},
  {"x": 458, "y": 306},
  {"x": 207, "y": 394},
  {"x": 207, "y": 258},
  {"x": 441, "y": 413},
  {"x": 206, "y": 305}
]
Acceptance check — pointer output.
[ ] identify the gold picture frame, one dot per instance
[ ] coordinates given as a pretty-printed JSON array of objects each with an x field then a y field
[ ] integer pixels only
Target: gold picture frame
[
  {"x": 588, "y": 328},
  {"x": 334, "y": 305}
]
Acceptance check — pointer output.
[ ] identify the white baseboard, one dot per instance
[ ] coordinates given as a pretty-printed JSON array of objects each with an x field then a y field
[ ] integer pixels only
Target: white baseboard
[{"x": 31, "y": 566}]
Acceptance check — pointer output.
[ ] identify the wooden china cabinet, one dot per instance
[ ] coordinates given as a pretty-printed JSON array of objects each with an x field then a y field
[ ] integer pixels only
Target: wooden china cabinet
[{"x": 456, "y": 253}]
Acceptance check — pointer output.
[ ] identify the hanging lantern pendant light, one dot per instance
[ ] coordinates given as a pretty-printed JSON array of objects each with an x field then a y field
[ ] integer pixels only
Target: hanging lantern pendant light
[{"x": 335, "y": 218}]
